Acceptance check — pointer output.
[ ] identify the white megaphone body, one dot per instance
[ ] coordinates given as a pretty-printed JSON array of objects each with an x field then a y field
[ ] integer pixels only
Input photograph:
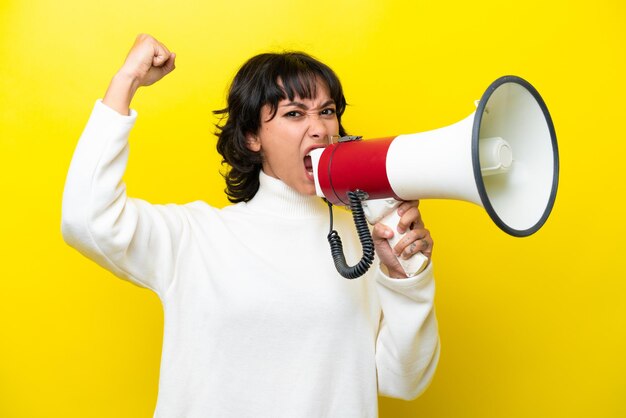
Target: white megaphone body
[{"x": 503, "y": 157}]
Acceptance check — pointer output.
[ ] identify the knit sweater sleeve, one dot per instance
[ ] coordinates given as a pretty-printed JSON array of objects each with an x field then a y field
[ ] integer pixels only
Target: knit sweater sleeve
[
  {"x": 133, "y": 239},
  {"x": 407, "y": 348}
]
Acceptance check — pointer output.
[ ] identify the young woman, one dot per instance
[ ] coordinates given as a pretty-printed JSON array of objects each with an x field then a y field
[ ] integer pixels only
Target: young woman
[{"x": 257, "y": 320}]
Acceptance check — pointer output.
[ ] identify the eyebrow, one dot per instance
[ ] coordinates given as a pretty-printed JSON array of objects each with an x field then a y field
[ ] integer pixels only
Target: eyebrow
[{"x": 305, "y": 107}]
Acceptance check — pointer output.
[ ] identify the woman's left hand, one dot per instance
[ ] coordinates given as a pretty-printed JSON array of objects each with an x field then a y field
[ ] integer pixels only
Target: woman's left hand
[{"x": 417, "y": 239}]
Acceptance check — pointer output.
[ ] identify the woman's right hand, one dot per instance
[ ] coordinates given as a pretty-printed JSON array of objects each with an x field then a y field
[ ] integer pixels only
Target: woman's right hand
[{"x": 147, "y": 62}]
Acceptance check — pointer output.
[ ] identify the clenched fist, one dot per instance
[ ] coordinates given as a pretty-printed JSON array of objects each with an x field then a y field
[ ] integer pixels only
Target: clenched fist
[{"x": 147, "y": 62}]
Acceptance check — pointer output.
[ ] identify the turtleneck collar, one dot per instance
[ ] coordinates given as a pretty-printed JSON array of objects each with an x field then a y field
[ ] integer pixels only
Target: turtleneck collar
[{"x": 277, "y": 198}]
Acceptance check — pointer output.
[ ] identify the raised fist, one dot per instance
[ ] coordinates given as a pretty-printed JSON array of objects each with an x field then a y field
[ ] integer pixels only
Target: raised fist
[{"x": 148, "y": 61}]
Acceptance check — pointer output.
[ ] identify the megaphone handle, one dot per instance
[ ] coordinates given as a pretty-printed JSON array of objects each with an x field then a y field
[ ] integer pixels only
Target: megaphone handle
[{"x": 418, "y": 262}]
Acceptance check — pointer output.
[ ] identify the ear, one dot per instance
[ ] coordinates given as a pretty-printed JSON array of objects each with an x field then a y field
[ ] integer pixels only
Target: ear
[{"x": 253, "y": 142}]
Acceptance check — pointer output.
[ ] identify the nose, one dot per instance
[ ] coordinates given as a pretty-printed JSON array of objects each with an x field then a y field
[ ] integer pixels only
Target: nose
[
  {"x": 317, "y": 127},
  {"x": 321, "y": 129}
]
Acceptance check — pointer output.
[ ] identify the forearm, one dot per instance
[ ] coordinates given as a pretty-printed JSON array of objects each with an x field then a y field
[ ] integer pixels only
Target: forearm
[
  {"x": 94, "y": 189},
  {"x": 408, "y": 344},
  {"x": 120, "y": 93}
]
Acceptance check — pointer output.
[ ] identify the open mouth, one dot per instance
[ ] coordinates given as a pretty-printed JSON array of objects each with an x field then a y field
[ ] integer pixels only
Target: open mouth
[{"x": 308, "y": 165}]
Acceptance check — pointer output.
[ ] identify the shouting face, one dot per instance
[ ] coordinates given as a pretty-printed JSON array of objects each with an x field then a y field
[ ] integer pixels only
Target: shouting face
[{"x": 285, "y": 140}]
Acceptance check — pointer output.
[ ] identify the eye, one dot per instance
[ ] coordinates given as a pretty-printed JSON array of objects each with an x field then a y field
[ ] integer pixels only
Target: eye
[
  {"x": 293, "y": 114},
  {"x": 329, "y": 111}
]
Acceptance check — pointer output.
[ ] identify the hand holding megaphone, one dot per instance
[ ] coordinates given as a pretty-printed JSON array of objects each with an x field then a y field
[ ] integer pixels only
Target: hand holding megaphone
[
  {"x": 503, "y": 157},
  {"x": 415, "y": 240}
]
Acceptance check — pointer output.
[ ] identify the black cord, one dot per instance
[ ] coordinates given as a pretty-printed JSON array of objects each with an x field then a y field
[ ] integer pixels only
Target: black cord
[{"x": 336, "y": 247}]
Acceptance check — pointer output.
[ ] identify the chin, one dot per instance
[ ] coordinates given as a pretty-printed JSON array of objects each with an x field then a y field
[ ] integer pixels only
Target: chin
[{"x": 307, "y": 190}]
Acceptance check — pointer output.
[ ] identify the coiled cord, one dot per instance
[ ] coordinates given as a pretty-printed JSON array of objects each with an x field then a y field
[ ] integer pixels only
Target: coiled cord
[{"x": 336, "y": 247}]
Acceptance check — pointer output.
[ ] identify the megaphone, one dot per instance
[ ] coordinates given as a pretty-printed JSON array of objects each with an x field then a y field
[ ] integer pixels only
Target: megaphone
[{"x": 503, "y": 157}]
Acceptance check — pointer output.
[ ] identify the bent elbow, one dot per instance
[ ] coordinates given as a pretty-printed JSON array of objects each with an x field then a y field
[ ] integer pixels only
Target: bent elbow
[
  {"x": 71, "y": 229},
  {"x": 409, "y": 387},
  {"x": 407, "y": 390},
  {"x": 75, "y": 224}
]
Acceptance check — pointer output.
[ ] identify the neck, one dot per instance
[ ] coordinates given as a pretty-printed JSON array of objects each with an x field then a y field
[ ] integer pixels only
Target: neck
[{"x": 277, "y": 198}]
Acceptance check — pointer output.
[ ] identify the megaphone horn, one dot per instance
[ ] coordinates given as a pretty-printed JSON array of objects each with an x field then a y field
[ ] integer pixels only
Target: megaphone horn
[{"x": 503, "y": 157}]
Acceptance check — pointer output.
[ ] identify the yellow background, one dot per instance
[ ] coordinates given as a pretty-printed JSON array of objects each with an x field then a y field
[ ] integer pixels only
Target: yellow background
[{"x": 532, "y": 327}]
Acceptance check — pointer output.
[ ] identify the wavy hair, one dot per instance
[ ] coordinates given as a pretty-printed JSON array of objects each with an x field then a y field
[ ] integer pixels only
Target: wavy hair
[{"x": 265, "y": 79}]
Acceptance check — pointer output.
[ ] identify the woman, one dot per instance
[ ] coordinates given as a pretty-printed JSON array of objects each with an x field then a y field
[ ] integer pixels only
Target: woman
[{"x": 257, "y": 320}]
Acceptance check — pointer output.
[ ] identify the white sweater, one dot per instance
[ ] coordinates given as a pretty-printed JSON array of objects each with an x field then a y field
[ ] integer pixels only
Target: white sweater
[{"x": 257, "y": 321}]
